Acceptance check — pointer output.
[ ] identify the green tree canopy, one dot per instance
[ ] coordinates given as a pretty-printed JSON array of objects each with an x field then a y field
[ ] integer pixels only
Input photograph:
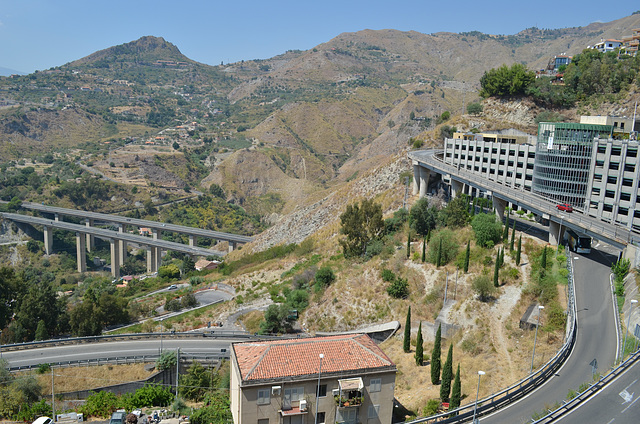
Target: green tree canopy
[
  {"x": 506, "y": 81},
  {"x": 422, "y": 217},
  {"x": 361, "y": 224},
  {"x": 487, "y": 229}
]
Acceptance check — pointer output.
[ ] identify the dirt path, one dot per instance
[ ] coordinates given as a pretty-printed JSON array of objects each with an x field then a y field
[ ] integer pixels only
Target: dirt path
[{"x": 500, "y": 311}]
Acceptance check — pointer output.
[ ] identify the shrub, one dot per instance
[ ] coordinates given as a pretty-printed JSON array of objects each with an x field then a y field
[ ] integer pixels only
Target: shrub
[
  {"x": 487, "y": 229},
  {"x": 484, "y": 287},
  {"x": 325, "y": 276},
  {"x": 442, "y": 244},
  {"x": 399, "y": 288}
]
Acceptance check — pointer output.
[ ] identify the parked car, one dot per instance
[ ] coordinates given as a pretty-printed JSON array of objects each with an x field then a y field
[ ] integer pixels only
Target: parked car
[
  {"x": 564, "y": 207},
  {"x": 172, "y": 287}
]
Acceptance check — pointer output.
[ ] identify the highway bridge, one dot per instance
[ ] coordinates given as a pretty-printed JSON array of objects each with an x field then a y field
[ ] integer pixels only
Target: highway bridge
[
  {"x": 85, "y": 235},
  {"x": 427, "y": 163}
]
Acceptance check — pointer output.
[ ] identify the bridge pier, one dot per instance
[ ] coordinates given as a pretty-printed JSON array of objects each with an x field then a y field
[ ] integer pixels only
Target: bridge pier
[
  {"x": 416, "y": 179},
  {"x": 556, "y": 232},
  {"x": 48, "y": 239},
  {"x": 152, "y": 261},
  {"x": 424, "y": 181},
  {"x": 457, "y": 187},
  {"x": 232, "y": 245},
  {"x": 81, "y": 252},
  {"x": 192, "y": 240},
  {"x": 91, "y": 240},
  {"x": 122, "y": 245},
  {"x": 56, "y": 217},
  {"x": 499, "y": 205},
  {"x": 115, "y": 258},
  {"x": 155, "y": 233}
]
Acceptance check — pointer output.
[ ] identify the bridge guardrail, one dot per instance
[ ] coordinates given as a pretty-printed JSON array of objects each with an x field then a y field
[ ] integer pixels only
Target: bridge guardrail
[
  {"x": 213, "y": 333},
  {"x": 123, "y": 360},
  {"x": 516, "y": 391}
]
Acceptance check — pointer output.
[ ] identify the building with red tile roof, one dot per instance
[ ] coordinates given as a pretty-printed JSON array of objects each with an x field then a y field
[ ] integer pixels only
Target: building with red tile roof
[{"x": 276, "y": 382}]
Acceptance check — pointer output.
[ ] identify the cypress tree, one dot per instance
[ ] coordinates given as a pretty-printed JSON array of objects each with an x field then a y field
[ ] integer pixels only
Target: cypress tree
[
  {"x": 435, "y": 357},
  {"x": 466, "y": 257},
  {"x": 513, "y": 236},
  {"x": 456, "y": 392},
  {"x": 505, "y": 232},
  {"x": 439, "y": 260},
  {"x": 428, "y": 236},
  {"x": 409, "y": 244},
  {"x": 543, "y": 261},
  {"x": 447, "y": 376},
  {"x": 424, "y": 249},
  {"x": 501, "y": 257},
  {"x": 406, "y": 346},
  {"x": 419, "y": 348},
  {"x": 496, "y": 270},
  {"x": 519, "y": 250}
]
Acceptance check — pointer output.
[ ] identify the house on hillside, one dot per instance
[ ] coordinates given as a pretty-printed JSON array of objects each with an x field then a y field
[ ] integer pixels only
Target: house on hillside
[
  {"x": 557, "y": 61},
  {"x": 608, "y": 45},
  {"x": 341, "y": 379},
  {"x": 631, "y": 42},
  {"x": 205, "y": 264}
]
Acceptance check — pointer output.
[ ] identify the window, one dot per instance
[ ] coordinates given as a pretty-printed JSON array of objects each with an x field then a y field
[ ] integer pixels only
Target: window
[
  {"x": 627, "y": 182},
  {"x": 614, "y": 165},
  {"x": 323, "y": 390},
  {"x": 321, "y": 418},
  {"x": 602, "y": 149},
  {"x": 597, "y": 177},
  {"x": 294, "y": 394},
  {"x": 625, "y": 196},
  {"x": 632, "y": 152},
  {"x": 347, "y": 415},
  {"x": 610, "y": 194},
  {"x": 607, "y": 208},
  {"x": 629, "y": 167},
  {"x": 374, "y": 410},
  {"x": 595, "y": 191},
  {"x": 616, "y": 151},
  {"x": 612, "y": 180},
  {"x": 264, "y": 397},
  {"x": 375, "y": 385}
]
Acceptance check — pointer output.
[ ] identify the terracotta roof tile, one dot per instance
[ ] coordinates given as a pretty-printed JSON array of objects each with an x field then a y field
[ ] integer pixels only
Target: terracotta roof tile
[{"x": 300, "y": 357}]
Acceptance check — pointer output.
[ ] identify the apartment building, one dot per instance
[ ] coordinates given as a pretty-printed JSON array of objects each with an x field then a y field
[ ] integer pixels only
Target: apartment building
[
  {"x": 336, "y": 379},
  {"x": 592, "y": 166},
  {"x": 631, "y": 42}
]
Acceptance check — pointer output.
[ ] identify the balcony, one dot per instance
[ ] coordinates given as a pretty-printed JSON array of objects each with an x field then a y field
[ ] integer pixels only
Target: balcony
[{"x": 349, "y": 393}]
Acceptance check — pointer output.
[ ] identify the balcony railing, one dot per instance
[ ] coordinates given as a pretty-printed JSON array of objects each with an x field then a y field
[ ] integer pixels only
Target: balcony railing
[{"x": 347, "y": 401}]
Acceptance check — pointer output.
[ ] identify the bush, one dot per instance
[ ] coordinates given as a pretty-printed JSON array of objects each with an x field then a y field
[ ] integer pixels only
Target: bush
[
  {"x": 442, "y": 244},
  {"x": 487, "y": 229},
  {"x": 167, "y": 360},
  {"x": 484, "y": 288},
  {"x": 325, "y": 276},
  {"x": 399, "y": 288}
]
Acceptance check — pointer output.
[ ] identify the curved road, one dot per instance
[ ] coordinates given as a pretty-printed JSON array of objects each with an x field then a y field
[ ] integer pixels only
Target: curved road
[
  {"x": 596, "y": 340},
  {"x": 615, "y": 403}
]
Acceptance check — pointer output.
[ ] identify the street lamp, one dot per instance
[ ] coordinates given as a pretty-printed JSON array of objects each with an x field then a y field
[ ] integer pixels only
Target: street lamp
[
  {"x": 559, "y": 233},
  {"x": 624, "y": 345},
  {"x": 475, "y": 408},
  {"x": 318, "y": 389},
  {"x": 535, "y": 339}
]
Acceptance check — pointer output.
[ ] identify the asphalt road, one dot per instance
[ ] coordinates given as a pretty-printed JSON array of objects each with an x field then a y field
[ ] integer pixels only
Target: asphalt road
[
  {"x": 84, "y": 352},
  {"x": 616, "y": 403},
  {"x": 596, "y": 342}
]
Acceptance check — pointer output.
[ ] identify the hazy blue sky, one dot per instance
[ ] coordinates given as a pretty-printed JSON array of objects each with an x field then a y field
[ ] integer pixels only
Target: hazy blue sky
[{"x": 40, "y": 34}]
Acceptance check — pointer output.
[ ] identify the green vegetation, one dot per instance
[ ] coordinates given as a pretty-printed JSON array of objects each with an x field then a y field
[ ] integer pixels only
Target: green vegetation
[
  {"x": 406, "y": 344},
  {"x": 436, "y": 353},
  {"x": 419, "y": 355},
  {"x": 361, "y": 225}
]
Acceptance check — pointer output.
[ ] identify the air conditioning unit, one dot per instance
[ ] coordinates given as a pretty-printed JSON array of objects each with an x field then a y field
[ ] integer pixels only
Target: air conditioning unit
[
  {"x": 335, "y": 392},
  {"x": 275, "y": 390},
  {"x": 303, "y": 405}
]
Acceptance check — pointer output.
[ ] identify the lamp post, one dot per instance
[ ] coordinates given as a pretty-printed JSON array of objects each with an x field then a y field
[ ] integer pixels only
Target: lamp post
[
  {"x": 161, "y": 328},
  {"x": 535, "y": 339},
  {"x": 559, "y": 233},
  {"x": 475, "y": 407},
  {"x": 624, "y": 345},
  {"x": 318, "y": 389}
]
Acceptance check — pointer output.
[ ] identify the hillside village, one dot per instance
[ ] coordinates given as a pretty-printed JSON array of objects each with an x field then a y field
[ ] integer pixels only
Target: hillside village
[{"x": 260, "y": 148}]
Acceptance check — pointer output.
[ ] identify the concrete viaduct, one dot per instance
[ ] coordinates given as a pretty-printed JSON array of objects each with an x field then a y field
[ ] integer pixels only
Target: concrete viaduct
[
  {"x": 429, "y": 163},
  {"x": 85, "y": 235}
]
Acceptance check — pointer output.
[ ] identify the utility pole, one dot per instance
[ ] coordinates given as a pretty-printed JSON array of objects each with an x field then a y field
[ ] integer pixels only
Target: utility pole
[
  {"x": 406, "y": 192},
  {"x": 53, "y": 399}
]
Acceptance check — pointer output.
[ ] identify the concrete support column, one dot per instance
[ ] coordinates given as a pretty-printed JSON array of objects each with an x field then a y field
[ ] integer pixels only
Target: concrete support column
[
  {"x": 416, "y": 179},
  {"x": 115, "y": 258},
  {"x": 232, "y": 245},
  {"x": 48, "y": 240},
  {"x": 156, "y": 233},
  {"x": 499, "y": 205},
  {"x": 456, "y": 188},
  {"x": 556, "y": 232},
  {"x": 56, "y": 217},
  {"x": 152, "y": 262},
  {"x": 424, "y": 181},
  {"x": 158, "y": 257},
  {"x": 81, "y": 252},
  {"x": 91, "y": 241},
  {"x": 192, "y": 240},
  {"x": 122, "y": 251}
]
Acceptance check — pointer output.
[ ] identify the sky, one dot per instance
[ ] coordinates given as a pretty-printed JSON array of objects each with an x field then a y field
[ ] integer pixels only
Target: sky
[{"x": 40, "y": 34}]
